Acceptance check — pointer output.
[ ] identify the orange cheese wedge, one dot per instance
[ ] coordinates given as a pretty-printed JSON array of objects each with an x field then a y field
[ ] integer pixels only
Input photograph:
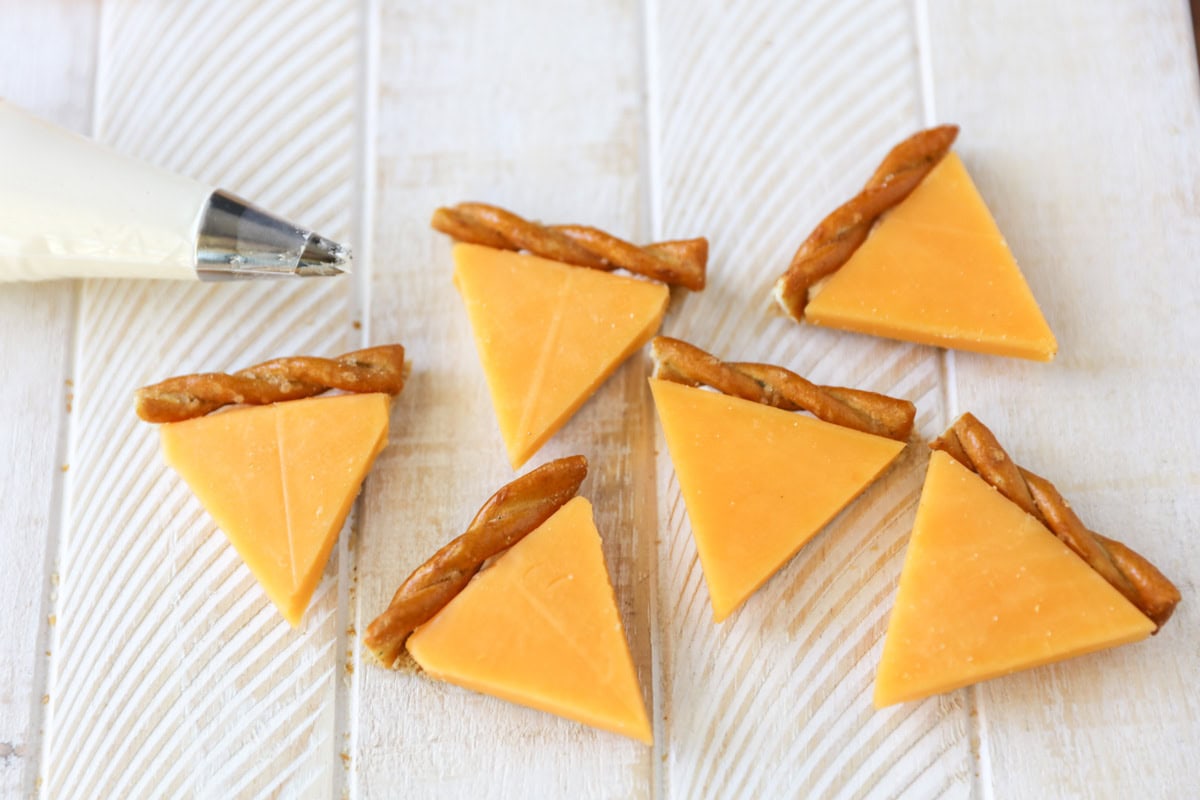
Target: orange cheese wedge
[
  {"x": 936, "y": 270},
  {"x": 279, "y": 480},
  {"x": 548, "y": 335},
  {"x": 540, "y": 628},
  {"x": 759, "y": 482},
  {"x": 987, "y": 590}
]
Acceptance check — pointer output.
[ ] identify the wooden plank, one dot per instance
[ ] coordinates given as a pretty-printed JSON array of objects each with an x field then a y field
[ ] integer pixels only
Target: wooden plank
[
  {"x": 172, "y": 673},
  {"x": 536, "y": 109},
  {"x": 769, "y": 115},
  {"x": 1084, "y": 145},
  {"x": 52, "y": 79}
]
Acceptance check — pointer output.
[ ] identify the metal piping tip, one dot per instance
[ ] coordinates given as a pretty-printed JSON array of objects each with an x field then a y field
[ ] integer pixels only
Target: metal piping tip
[
  {"x": 237, "y": 240},
  {"x": 323, "y": 257}
]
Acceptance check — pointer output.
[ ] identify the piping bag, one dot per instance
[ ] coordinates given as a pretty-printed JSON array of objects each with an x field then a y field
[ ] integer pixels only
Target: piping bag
[{"x": 72, "y": 208}]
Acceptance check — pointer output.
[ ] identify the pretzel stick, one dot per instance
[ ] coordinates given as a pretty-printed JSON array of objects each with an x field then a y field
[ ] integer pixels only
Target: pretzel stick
[
  {"x": 780, "y": 388},
  {"x": 836, "y": 238},
  {"x": 679, "y": 263},
  {"x": 506, "y": 518},
  {"x": 970, "y": 443},
  {"x": 376, "y": 369}
]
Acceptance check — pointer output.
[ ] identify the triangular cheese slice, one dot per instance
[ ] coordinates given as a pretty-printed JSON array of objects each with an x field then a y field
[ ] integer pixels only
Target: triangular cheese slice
[
  {"x": 936, "y": 270},
  {"x": 759, "y": 482},
  {"x": 540, "y": 628},
  {"x": 548, "y": 335},
  {"x": 987, "y": 590},
  {"x": 279, "y": 480}
]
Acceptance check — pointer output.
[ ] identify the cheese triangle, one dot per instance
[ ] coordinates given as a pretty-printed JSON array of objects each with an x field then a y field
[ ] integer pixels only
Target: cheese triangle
[
  {"x": 987, "y": 590},
  {"x": 759, "y": 482},
  {"x": 937, "y": 271},
  {"x": 540, "y": 628},
  {"x": 279, "y": 480},
  {"x": 548, "y": 334}
]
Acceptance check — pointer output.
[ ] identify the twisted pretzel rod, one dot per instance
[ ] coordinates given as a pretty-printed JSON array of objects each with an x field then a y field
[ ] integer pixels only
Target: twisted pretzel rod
[
  {"x": 506, "y": 518},
  {"x": 679, "y": 263},
  {"x": 970, "y": 443},
  {"x": 376, "y": 369},
  {"x": 781, "y": 388},
  {"x": 832, "y": 242}
]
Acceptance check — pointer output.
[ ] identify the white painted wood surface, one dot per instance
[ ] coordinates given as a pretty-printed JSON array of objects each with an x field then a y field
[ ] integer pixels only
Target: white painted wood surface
[
  {"x": 36, "y": 337},
  {"x": 170, "y": 675},
  {"x": 173, "y": 674},
  {"x": 1100, "y": 202},
  {"x": 539, "y": 112},
  {"x": 755, "y": 148}
]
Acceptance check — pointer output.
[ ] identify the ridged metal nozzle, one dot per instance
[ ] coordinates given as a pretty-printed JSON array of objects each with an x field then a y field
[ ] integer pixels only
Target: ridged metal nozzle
[{"x": 238, "y": 240}]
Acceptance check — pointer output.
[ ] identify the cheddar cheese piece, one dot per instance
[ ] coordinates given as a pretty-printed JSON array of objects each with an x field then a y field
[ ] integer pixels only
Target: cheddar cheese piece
[
  {"x": 987, "y": 590},
  {"x": 936, "y": 270},
  {"x": 548, "y": 334},
  {"x": 540, "y": 628},
  {"x": 759, "y": 482},
  {"x": 279, "y": 480}
]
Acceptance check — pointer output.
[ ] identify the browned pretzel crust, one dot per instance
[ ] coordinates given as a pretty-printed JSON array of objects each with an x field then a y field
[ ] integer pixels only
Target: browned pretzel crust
[
  {"x": 970, "y": 443},
  {"x": 678, "y": 263},
  {"x": 879, "y": 414},
  {"x": 376, "y": 369},
  {"x": 832, "y": 243},
  {"x": 506, "y": 518}
]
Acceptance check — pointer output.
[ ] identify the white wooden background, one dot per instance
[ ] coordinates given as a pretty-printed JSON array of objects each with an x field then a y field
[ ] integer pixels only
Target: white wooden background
[{"x": 137, "y": 656}]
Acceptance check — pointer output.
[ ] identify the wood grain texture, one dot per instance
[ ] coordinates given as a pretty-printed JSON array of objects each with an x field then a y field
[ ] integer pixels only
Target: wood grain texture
[
  {"x": 1094, "y": 181},
  {"x": 767, "y": 116},
  {"x": 172, "y": 674},
  {"x": 53, "y": 80},
  {"x": 536, "y": 109}
]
